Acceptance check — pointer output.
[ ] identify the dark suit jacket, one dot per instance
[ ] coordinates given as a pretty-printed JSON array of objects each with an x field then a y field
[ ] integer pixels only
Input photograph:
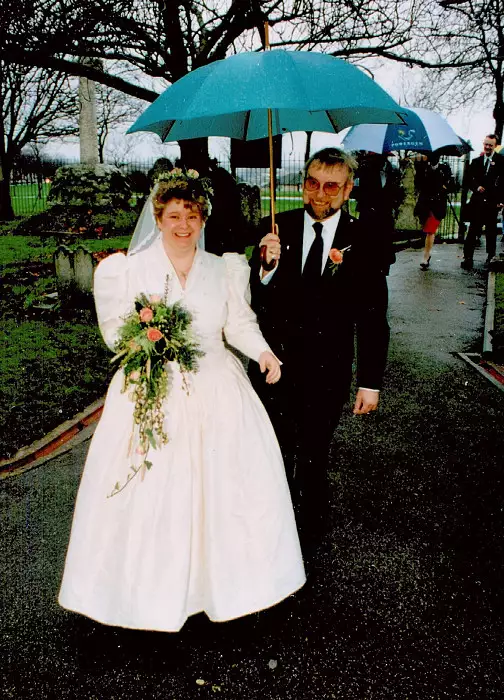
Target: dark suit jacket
[
  {"x": 433, "y": 185},
  {"x": 376, "y": 203},
  {"x": 492, "y": 180},
  {"x": 350, "y": 303}
]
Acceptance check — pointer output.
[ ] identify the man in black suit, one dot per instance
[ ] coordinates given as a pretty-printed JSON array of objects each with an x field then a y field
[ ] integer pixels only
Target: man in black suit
[
  {"x": 486, "y": 181},
  {"x": 378, "y": 195},
  {"x": 310, "y": 311}
]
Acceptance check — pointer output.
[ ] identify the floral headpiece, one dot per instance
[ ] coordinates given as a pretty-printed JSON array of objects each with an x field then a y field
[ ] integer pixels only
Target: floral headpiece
[
  {"x": 199, "y": 189},
  {"x": 179, "y": 177}
]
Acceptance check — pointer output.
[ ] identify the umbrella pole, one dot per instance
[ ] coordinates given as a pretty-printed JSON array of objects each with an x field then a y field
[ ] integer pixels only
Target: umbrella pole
[
  {"x": 271, "y": 265},
  {"x": 271, "y": 168}
]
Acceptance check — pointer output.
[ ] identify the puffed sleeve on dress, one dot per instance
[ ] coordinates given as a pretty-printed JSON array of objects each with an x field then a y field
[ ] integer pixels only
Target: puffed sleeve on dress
[
  {"x": 110, "y": 287},
  {"x": 241, "y": 328}
]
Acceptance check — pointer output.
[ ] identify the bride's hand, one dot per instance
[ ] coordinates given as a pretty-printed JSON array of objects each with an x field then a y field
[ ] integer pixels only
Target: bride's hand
[{"x": 267, "y": 361}]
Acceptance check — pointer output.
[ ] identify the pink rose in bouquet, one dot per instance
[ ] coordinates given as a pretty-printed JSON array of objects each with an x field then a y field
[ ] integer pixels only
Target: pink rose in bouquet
[
  {"x": 146, "y": 314},
  {"x": 153, "y": 334}
]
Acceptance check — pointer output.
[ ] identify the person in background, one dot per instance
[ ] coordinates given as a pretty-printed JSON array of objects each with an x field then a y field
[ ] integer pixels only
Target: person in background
[
  {"x": 433, "y": 181},
  {"x": 498, "y": 149},
  {"x": 160, "y": 165},
  {"x": 376, "y": 196},
  {"x": 486, "y": 181},
  {"x": 225, "y": 228}
]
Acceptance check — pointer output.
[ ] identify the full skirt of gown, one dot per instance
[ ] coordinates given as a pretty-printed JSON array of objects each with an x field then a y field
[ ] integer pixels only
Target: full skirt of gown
[{"x": 210, "y": 528}]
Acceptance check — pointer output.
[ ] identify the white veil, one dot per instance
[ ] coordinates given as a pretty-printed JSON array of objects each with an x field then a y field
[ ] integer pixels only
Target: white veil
[{"x": 146, "y": 229}]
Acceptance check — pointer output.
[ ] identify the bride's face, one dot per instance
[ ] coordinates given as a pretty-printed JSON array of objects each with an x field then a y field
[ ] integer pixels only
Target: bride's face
[{"x": 180, "y": 224}]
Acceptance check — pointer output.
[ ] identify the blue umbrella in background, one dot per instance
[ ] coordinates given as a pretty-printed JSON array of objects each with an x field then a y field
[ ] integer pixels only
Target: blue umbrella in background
[{"x": 424, "y": 131}]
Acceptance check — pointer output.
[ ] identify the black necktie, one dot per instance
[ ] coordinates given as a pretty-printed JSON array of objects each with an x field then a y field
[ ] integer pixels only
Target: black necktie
[{"x": 312, "y": 269}]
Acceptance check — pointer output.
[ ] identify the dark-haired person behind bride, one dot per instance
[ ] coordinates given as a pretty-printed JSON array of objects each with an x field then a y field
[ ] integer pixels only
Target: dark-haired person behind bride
[{"x": 183, "y": 505}]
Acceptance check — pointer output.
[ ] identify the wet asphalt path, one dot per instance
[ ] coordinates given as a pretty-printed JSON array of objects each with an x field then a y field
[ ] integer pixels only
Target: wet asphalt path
[{"x": 404, "y": 600}]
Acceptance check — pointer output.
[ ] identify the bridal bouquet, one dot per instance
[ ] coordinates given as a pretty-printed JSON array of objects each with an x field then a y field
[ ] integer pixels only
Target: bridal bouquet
[{"x": 153, "y": 334}]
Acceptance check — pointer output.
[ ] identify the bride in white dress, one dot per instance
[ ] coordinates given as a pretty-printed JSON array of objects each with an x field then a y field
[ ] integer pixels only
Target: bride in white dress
[{"x": 211, "y": 527}]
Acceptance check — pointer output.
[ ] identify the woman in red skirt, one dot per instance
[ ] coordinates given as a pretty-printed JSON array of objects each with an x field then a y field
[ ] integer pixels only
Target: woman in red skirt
[{"x": 433, "y": 181}]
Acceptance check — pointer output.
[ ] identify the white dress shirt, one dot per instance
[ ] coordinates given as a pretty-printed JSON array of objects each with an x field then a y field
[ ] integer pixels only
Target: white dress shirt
[{"x": 329, "y": 229}]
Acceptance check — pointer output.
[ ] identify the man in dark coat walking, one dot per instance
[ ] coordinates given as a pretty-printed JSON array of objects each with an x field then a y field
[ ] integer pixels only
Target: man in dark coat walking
[
  {"x": 328, "y": 288},
  {"x": 486, "y": 181},
  {"x": 378, "y": 197}
]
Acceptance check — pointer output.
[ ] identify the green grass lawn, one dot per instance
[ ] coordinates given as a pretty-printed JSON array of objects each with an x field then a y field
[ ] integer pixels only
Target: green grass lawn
[
  {"x": 52, "y": 365},
  {"x": 29, "y": 199},
  {"x": 498, "y": 337},
  {"x": 16, "y": 249},
  {"x": 283, "y": 203},
  {"x": 48, "y": 373}
]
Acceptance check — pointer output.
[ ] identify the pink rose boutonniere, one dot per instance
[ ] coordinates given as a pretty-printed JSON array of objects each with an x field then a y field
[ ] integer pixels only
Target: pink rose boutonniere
[{"x": 336, "y": 257}]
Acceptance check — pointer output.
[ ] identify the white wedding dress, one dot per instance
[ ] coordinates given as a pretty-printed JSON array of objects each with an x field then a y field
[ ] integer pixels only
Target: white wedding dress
[{"x": 210, "y": 527}]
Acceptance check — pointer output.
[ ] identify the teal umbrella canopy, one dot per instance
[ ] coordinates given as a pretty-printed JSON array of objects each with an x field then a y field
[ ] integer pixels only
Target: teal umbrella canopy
[{"x": 306, "y": 91}]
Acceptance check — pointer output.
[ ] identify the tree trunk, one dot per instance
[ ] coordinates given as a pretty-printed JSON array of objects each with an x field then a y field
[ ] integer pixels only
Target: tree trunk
[
  {"x": 498, "y": 115},
  {"x": 101, "y": 149},
  {"x": 194, "y": 154},
  {"x": 309, "y": 135},
  {"x": 6, "y": 210}
]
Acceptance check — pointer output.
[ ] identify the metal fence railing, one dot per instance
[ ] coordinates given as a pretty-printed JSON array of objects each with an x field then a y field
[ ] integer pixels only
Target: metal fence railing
[
  {"x": 29, "y": 190},
  {"x": 29, "y": 195}
]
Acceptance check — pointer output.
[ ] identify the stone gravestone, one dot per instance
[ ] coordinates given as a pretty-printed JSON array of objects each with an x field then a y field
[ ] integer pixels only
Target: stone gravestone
[
  {"x": 83, "y": 270},
  {"x": 406, "y": 219},
  {"x": 64, "y": 272},
  {"x": 74, "y": 276}
]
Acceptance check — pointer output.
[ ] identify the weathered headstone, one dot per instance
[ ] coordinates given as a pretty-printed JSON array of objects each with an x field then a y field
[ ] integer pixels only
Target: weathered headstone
[
  {"x": 63, "y": 265},
  {"x": 74, "y": 276},
  {"x": 406, "y": 219},
  {"x": 83, "y": 269}
]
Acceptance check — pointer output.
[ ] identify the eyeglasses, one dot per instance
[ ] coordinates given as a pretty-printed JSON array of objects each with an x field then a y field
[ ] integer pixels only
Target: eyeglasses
[{"x": 331, "y": 189}]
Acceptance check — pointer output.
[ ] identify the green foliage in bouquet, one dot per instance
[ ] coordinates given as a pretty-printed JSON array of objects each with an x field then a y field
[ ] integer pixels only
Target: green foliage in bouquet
[{"x": 152, "y": 335}]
